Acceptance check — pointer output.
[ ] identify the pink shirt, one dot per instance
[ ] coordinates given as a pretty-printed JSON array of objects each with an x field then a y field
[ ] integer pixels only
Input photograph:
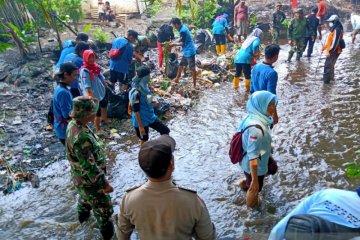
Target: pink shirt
[{"x": 241, "y": 13}]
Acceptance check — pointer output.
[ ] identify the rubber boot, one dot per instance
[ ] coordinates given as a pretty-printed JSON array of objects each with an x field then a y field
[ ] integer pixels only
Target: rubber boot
[
  {"x": 236, "y": 83},
  {"x": 223, "y": 49},
  {"x": 107, "y": 231},
  {"x": 104, "y": 116},
  {"x": 247, "y": 85},
  {"x": 298, "y": 56},
  {"x": 218, "y": 49}
]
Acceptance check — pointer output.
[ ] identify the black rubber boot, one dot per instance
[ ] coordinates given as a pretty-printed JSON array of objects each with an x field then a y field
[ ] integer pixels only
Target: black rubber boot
[{"x": 107, "y": 231}]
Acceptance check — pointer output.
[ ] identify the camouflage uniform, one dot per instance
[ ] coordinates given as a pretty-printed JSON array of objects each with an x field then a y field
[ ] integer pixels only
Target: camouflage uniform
[
  {"x": 297, "y": 33},
  {"x": 278, "y": 18},
  {"x": 88, "y": 168}
]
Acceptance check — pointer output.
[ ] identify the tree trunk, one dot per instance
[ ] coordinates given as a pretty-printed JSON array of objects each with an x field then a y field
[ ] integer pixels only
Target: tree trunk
[{"x": 17, "y": 41}]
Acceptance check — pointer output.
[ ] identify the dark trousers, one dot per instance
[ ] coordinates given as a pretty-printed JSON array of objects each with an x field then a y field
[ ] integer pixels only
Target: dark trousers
[
  {"x": 157, "y": 126},
  {"x": 329, "y": 68},
  {"x": 272, "y": 169},
  {"x": 243, "y": 67},
  {"x": 310, "y": 46}
]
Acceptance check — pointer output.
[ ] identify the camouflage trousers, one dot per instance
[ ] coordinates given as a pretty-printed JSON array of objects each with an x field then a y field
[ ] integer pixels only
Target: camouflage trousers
[
  {"x": 297, "y": 47},
  {"x": 100, "y": 203},
  {"x": 276, "y": 34}
]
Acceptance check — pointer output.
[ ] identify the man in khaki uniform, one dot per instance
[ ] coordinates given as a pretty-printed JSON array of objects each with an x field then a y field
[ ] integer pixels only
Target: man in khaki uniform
[{"x": 159, "y": 209}]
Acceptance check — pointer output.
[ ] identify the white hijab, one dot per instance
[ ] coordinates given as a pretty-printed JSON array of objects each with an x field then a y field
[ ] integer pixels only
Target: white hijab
[{"x": 251, "y": 38}]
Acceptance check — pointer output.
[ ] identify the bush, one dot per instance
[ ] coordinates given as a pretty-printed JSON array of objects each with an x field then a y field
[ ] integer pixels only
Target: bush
[{"x": 100, "y": 36}]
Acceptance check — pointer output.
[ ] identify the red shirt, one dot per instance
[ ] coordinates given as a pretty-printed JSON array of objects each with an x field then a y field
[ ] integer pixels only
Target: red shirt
[
  {"x": 241, "y": 13},
  {"x": 322, "y": 8}
]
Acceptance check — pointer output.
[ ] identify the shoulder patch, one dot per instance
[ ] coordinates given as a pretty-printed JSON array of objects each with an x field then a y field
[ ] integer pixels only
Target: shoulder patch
[
  {"x": 133, "y": 188},
  {"x": 186, "y": 189}
]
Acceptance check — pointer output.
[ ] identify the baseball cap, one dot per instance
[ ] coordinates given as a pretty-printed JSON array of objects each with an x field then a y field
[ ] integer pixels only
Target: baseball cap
[
  {"x": 155, "y": 156},
  {"x": 66, "y": 67}
]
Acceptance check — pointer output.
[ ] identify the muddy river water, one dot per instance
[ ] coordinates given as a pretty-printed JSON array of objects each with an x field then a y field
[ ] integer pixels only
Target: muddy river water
[{"x": 317, "y": 134}]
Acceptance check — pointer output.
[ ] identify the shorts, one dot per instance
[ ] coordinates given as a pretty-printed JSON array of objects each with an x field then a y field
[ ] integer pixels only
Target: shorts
[
  {"x": 243, "y": 67},
  {"x": 272, "y": 169},
  {"x": 188, "y": 61},
  {"x": 355, "y": 32},
  {"x": 157, "y": 126},
  {"x": 118, "y": 76},
  {"x": 102, "y": 104},
  {"x": 241, "y": 27},
  {"x": 219, "y": 39}
]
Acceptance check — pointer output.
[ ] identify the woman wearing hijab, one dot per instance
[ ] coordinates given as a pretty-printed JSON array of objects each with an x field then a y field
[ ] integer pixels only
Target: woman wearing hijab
[
  {"x": 248, "y": 51},
  {"x": 220, "y": 28},
  {"x": 256, "y": 142},
  {"x": 141, "y": 102},
  {"x": 93, "y": 84}
]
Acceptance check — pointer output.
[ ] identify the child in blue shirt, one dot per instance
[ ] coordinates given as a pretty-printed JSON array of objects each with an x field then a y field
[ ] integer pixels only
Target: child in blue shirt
[
  {"x": 62, "y": 100},
  {"x": 143, "y": 114}
]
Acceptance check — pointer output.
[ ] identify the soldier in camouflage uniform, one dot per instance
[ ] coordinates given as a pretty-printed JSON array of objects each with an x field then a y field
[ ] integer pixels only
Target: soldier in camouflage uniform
[
  {"x": 278, "y": 18},
  {"x": 297, "y": 34},
  {"x": 88, "y": 166}
]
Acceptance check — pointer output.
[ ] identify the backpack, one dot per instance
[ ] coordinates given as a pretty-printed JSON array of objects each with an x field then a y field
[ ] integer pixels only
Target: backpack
[
  {"x": 115, "y": 54},
  {"x": 165, "y": 33},
  {"x": 236, "y": 151}
]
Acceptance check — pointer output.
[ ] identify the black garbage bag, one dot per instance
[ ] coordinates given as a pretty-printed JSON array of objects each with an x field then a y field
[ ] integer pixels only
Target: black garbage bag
[
  {"x": 163, "y": 107},
  {"x": 202, "y": 39},
  {"x": 165, "y": 33},
  {"x": 172, "y": 66},
  {"x": 118, "y": 105}
]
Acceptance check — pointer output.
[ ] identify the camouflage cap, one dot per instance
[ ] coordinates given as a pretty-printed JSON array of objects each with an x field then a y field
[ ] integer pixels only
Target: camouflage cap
[
  {"x": 84, "y": 107},
  {"x": 299, "y": 10}
]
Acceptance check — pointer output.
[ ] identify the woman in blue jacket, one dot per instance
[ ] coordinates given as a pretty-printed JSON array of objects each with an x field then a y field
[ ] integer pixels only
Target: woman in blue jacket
[
  {"x": 244, "y": 57},
  {"x": 220, "y": 28}
]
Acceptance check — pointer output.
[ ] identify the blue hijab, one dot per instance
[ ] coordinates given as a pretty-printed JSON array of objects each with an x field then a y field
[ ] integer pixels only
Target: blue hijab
[
  {"x": 139, "y": 85},
  {"x": 256, "y": 108}
]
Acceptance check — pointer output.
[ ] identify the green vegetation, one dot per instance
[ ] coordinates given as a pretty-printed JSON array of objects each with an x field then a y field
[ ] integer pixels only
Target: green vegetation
[
  {"x": 353, "y": 169},
  {"x": 153, "y": 7},
  {"x": 21, "y": 19},
  {"x": 253, "y": 20},
  {"x": 100, "y": 36},
  {"x": 286, "y": 23}
]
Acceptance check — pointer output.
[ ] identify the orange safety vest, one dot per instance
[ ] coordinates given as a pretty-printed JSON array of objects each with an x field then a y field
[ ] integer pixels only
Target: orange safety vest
[{"x": 330, "y": 41}]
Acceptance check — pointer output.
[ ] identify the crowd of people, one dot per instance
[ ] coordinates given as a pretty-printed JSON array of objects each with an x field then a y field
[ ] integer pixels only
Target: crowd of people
[{"x": 159, "y": 209}]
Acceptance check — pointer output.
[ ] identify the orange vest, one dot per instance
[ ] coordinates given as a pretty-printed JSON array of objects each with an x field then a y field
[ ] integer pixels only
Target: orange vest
[{"x": 330, "y": 41}]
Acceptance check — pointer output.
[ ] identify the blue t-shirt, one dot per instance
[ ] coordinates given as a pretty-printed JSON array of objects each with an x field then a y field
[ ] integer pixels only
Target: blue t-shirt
[
  {"x": 97, "y": 86},
  {"x": 255, "y": 144},
  {"x": 189, "y": 49},
  {"x": 62, "y": 105},
  {"x": 78, "y": 61},
  {"x": 147, "y": 113},
  {"x": 335, "y": 205},
  {"x": 122, "y": 65},
  {"x": 66, "y": 50},
  {"x": 263, "y": 77},
  {"x": 245, "y": 55},
  {"x": 219, "y": 26}
]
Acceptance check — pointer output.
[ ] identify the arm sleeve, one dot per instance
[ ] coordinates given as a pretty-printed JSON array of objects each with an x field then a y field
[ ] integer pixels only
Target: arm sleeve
[
  {"x": 335, "y": 41},
  {"x": 130, "y": 52},
  {"x": 85, "y": 79},
  {"x": 283, "y": 17},
  {"x": 136, "y": 105},
  {"x": 278, "y": 232},
  {"x": 225, "y": 23},
  {"x": 272, "y": 82},
  {"x": 101, "y": 76},
  {"x": 256, "y": 45},
  {"x": 125, "y": 228},
  {"x": 65, "y": 104},
  {"x": 183, "y": 37},
  {"x": 90, "y": 172},
  {"x": 274, "y": 18},
  {"x": 254, "y": 142},
  {"x": 204, "y": 228}
]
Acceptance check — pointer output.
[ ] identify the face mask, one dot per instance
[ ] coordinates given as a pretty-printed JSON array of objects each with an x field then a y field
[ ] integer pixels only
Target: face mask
[{"x": 331, "y": 24}]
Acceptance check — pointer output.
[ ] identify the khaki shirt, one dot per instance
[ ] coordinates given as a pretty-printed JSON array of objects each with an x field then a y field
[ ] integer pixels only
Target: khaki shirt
[{"x": 162, "y": 210}]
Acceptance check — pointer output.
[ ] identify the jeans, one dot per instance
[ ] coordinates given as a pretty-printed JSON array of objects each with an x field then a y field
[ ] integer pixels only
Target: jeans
[
  {"x": 329, "y": 68},
  {"x": 310, "y": 47}
]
